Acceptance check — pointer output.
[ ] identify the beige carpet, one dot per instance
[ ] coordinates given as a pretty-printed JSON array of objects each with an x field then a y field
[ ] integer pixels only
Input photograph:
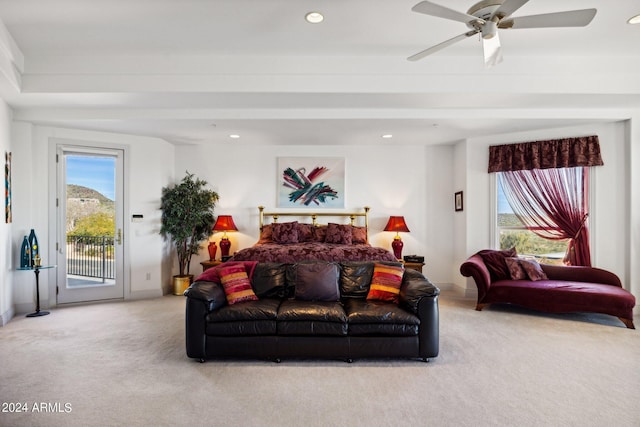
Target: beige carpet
[{"x": 123, "y": 364}]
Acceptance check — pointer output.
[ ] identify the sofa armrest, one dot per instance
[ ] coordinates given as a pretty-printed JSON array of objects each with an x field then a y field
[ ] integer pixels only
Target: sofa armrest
[
  {"x": 576, "y": 273},
  {"x": 415, "y": 287},
  {"x": 475, "y": 267},
  {"x": 210, "y": 293}
]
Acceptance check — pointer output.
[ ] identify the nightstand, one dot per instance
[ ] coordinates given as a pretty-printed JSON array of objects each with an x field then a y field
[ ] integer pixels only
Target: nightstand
[
  {"x": 209, "y": 264},
  {"x": 414, "y": 265}
]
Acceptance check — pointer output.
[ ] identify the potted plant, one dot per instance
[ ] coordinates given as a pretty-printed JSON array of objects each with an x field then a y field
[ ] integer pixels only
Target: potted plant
[{"x": 187, "y": 220}]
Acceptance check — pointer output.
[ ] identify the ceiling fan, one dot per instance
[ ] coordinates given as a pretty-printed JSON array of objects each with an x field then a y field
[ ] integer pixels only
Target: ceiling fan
[{"x": 487, "y": 16}]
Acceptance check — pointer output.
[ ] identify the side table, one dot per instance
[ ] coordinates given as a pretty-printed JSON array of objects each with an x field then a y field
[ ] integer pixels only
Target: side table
[
  {"x": 209, "y": 264},
  {"x": 36, "y": 271}
]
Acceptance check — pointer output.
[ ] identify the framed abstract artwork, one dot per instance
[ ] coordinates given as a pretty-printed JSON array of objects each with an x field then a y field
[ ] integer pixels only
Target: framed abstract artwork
[
  {"x": 7, "y": 187},
  {"x": 314, "y": 182}
]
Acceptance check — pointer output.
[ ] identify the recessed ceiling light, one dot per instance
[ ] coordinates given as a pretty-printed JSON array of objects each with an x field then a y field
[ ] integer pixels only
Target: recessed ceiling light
[
  {"x": 634, "y": 20},
  {"x": 387, "y": 136},
  {"x": 314, "y": 17},
  {"x": 234, "y": 136}
]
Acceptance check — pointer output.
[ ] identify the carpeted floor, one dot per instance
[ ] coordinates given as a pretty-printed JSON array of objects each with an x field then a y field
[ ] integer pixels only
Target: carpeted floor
[{"x": 123, "y": 364}]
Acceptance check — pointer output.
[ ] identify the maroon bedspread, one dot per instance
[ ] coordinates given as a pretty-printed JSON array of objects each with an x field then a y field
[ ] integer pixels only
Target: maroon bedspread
[{"x": 309, "y": 251}]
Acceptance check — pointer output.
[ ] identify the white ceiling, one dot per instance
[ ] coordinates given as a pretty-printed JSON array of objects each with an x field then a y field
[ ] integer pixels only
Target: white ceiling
[{"x": 195, "y": 71}]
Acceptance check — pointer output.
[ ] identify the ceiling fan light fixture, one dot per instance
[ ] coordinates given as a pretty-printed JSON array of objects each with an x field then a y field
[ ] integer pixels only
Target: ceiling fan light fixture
[
  {"x": 489, "y": 30},
  {"x": 634, "y": 20},
  {"x": 314, "y": 17}
]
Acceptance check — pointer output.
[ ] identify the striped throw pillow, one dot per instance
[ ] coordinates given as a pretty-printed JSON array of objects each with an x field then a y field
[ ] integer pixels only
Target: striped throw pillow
[
  {"x": 236, "y": 284},
  {"x": 385, "y": 284}
]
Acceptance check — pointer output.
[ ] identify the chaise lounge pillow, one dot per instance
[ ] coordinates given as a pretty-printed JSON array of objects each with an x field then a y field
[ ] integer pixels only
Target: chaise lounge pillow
[
  {"x": 317, "y": 281},
  {"x": 236, "y": 284},
  {"x": 533, "y": 269},
  {"x": 385, "y": 283},
  {"x": 515, "y": 268},
  {"x": 496, "y": 264}
]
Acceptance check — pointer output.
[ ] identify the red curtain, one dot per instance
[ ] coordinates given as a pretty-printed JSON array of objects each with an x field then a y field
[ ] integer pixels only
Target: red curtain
[{"x": 552, "y": 203}]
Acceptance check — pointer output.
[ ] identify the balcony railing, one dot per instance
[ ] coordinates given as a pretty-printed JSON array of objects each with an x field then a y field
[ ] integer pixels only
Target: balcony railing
[{"x": 91, "y": 256}]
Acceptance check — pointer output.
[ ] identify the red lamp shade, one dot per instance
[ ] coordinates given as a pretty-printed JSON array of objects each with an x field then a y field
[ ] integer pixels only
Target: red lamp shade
[
  {"x": 397, "y": 224},
  {"x": 224, "y": 223}
]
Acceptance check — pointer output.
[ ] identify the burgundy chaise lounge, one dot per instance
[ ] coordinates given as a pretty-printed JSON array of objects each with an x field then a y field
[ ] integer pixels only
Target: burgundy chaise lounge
[{"x": 566, "y": 289}]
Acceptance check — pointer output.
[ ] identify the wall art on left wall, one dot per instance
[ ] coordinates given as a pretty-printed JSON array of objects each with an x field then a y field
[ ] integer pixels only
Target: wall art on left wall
[
  {"x": 7, "y": 187},
  {"x": 316, "y": 182}
]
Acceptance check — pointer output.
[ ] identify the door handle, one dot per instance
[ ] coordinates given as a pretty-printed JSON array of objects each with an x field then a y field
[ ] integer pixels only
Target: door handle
[{"x": 119, "y": 240}]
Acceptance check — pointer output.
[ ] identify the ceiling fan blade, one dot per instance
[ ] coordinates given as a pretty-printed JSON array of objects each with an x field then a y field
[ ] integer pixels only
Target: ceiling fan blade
[
  {"x": 508, "y": 7},
  {"x": 572, "y": 18},
  {"x": 433, "y": 9},
  {"x": 440, "y": 46},
  {"x": 492, "y": 51}
]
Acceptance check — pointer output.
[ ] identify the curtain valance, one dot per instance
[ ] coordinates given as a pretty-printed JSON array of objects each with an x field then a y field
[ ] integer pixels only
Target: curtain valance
[{"x": 555, "y": 153}]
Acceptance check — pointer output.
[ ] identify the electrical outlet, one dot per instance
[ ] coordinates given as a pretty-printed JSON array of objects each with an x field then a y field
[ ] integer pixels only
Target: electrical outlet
[{"x": 148, "y": 276}]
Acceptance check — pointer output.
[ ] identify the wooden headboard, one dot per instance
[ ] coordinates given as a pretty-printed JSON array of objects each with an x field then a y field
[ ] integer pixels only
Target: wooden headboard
[{"x": 314, "y": 216}]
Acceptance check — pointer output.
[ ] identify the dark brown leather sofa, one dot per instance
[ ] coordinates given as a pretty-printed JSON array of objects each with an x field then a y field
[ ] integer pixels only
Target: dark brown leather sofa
[
  {"x": 566, "y": 289},
  {"x": 278, "y": 326}
]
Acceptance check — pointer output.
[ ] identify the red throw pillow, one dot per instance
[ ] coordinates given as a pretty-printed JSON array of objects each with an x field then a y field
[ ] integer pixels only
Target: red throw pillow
[
  {"x": 385, "y": 284},
  {"x": 236, "y": 284}
]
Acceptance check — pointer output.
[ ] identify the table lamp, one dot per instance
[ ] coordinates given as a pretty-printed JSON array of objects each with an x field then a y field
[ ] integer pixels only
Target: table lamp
[
  {"x": 397, "y": 224},
  {"x": 225, "y": 223}
]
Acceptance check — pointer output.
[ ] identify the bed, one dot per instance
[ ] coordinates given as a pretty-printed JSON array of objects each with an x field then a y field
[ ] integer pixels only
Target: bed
[{"x": 302, "y": 238}]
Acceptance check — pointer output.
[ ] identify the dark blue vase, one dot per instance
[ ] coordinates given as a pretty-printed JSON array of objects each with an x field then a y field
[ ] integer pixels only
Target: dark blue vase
[
  {"x": 35, "y": 249},
  {"x": 25, "y": 253}
]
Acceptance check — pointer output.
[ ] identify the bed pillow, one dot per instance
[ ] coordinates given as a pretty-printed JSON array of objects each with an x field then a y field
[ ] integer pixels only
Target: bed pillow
[
  {"x": 266, "y": 235},
  {"x": 516, "y": 271},
  {"x": 285, "y": 232},
  {"x": 317, "y": 281},
  {"x": 236, "y": 284},
  {"x": 385, "y": 283},
  {"x": 339, "y": 233},
  {"x": 359, "y": 235},
  {"x": 533, "y": 269},
  {"x": 305, "y": 232},
  {"x": 496, "y": 264},
  {"x": 319, "y": 233}
]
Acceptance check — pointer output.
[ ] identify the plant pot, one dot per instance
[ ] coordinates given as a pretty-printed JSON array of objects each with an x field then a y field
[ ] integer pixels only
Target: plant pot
[{"x": 181, "y": 283}]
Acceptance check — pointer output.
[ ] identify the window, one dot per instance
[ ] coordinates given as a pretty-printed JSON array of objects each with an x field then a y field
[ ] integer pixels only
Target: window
[{"x": 541, "y": 237}]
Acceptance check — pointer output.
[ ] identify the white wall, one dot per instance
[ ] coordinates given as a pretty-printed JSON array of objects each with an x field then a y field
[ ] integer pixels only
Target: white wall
[
  {"x": 412, "y": 181},
  {"x": 149, "y": 165},
  {"x": 7, "y": 260}
]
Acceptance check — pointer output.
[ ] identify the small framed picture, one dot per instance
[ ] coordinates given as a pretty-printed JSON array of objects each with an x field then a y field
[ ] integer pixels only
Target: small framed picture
[{"x": 458, "y": 202}]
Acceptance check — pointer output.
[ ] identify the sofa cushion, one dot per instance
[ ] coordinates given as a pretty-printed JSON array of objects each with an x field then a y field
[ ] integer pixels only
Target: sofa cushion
[
  {"x": 269, "y": 280},
  {"x": 236, "y": 284},
  {"x": 379, "y": 318},
  {"x": 359, "y": 235},
  {"x": 249, "y": 318},
  {"x": 386, "y": 282},
  {"x": 496, "y": 264},
  {"x": 516, "y": 271},
  {"x": 305, "y": 232},
  {"x": 355, "y": 279},
  {"x": 533, "y": 269},
  {"x": 317, "y": 281},
  {"x": 311, "y": 318},
  {"x": 285, "y": 232}
]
